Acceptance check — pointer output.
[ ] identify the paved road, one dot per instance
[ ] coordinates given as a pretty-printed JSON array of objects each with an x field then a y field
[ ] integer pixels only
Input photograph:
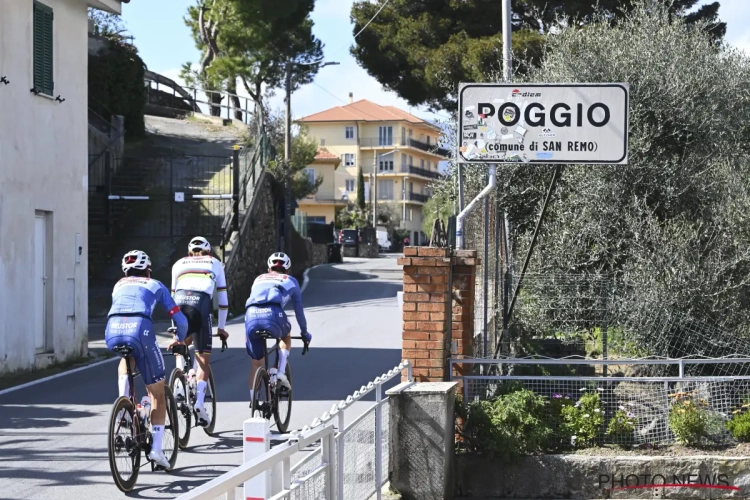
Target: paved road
[{"x": 53, "y": 434}]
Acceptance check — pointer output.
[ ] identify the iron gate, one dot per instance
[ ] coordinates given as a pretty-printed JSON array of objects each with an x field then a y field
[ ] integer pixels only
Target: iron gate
[{"x": 165, "y": 196}]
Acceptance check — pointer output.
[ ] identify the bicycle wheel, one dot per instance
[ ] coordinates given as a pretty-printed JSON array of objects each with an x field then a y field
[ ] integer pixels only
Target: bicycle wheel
[
  {"x": 261, "y": 388},
  {"x": 209, "y": 403},
  {"x": 282, "y": 403},
  {"x": 171, "y": 429},
  {"x": 124, "y": 452},
  {"x": 178, "y": 384}
]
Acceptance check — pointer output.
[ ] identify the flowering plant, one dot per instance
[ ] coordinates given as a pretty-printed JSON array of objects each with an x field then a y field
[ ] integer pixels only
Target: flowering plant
[{"x": 583, "y": 420}]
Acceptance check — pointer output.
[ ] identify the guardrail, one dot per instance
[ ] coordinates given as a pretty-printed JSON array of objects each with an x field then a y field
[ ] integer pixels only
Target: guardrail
[{"x": 328, "y": 463}]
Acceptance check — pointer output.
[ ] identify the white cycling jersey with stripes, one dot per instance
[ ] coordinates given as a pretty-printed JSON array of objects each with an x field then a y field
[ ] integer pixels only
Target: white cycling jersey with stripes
[{"x": 202, "y": 273}]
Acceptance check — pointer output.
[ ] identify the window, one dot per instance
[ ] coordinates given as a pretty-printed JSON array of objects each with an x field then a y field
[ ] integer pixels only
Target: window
[
  {"x": 350, "y": 185},
  {"x": 411, "y": 161},
  {"x": 310, "y": 173},
  {"x": 348, "y": 159},
  {"x": 349, "y": 132},
  {"x": 385, "y": 136},
  {"x": 43, "y": 75},
  {"x": 411, "y": 214},
  {"x": 385, "y": 189},
  {"x": 385, "y": 164},
  {"x": 403, "y": 136},
  {"x": 428, "y": 140},
  {"x": 317, "y": 219},
  {"x": 421, "y": 164},
  {"x": 403, "y": 163},
  {"x": 429, "y": 165},
  {"x": 322, "y": 142}
]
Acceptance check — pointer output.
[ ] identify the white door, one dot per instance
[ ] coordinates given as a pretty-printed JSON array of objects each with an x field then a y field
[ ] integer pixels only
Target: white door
[{"x": 40, "y": 282}]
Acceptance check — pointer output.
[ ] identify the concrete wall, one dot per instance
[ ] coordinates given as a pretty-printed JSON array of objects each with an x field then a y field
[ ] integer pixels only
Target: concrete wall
[{"x": 43, "y": 167}]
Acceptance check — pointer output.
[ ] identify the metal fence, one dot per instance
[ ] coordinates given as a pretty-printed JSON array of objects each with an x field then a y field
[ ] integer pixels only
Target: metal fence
[
  {"x": 350, "y": 463},
  {"x": 645, "y": 401}
]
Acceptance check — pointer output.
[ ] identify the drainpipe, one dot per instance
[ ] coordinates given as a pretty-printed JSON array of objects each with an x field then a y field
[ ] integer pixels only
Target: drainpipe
[{"x": 465, "y": 212}]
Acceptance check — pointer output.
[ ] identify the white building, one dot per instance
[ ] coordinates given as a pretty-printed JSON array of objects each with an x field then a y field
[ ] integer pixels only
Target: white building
[{"x": 43, "y": 180}]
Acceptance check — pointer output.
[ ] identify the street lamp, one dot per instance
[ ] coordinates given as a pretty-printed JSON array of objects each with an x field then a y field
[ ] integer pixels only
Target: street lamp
[
  {"x": 288, "y": 146},
  {"x": 403, "y": 217},
  {"x": 375, "y": 186}
]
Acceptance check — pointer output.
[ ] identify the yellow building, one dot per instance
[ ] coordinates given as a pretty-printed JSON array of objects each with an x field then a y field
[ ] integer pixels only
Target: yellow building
[
  {"x": 321, "y": 206},
  {"x": 396, "y": 147}
]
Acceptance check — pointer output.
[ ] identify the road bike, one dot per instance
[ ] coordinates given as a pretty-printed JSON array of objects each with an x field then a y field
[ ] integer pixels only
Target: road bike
[
  {"x": 129, "y": 433},
  {"x": 184, "y": 386},
  {"x": 270, "y": 398}
]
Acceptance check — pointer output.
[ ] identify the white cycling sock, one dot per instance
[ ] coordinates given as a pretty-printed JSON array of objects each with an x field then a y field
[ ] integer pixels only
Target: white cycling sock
[
  {"x": 158, "y": 433},
  {"x": 201, "y": 393},
  {"x": 123, "y": 384},
  {"x": 283, "y": 355}
]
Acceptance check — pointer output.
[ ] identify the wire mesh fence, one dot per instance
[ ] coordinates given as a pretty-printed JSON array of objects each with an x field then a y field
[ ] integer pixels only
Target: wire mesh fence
[
  {"x": 631, "y": 407},
  {"x": 482, "y": 229},
  {"x": 359, "y": 459}
]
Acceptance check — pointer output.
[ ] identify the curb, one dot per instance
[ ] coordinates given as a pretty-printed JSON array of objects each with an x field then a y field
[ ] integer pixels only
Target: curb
[{"x": 306, "y": 277}]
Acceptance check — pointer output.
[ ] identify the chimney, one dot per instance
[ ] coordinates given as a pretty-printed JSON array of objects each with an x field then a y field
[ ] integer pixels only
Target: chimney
[{"x": 351, "y": 97}]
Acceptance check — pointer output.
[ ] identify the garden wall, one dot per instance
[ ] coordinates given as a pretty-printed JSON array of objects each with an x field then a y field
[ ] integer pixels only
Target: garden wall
[{"x": 587, "y": 477}]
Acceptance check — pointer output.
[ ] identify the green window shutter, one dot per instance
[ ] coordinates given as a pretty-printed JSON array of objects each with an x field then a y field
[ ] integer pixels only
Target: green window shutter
[{"x": 43, "y": 49}]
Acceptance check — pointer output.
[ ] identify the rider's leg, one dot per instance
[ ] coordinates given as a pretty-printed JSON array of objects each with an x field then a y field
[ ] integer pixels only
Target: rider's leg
[
  {"x": 151, "y": 364},
  {"x": 284, "y": 348},
  {"x": 123, "y": 384},
  {"x": 158, "y": 418}
]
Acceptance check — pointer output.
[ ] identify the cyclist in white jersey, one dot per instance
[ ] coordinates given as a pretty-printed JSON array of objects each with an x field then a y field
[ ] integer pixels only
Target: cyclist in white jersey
[{"x": 194, "y": 279}]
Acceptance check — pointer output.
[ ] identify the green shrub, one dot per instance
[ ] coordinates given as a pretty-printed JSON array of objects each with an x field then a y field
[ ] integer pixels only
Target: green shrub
[
  {"x": 506, "y": 426},
  {"x": 739, "y": 426},
  {"x": 622, "y": 426},
  {"x": 688, "y": 419},
  {"x": 583, "y": 421}
]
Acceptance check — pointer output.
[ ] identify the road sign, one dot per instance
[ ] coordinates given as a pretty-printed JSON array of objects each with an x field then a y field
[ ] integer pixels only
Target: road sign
[{"x": 543, "y": 123}]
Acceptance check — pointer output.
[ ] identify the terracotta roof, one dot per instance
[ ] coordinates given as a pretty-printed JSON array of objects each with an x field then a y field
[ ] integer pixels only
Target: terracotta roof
[
  {"x": 324, "y": 154},
  {"x": 364, "y": 111}
]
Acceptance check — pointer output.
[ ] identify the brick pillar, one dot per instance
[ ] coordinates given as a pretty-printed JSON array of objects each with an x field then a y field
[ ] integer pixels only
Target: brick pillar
[
  {"x": 436, "y": 319},
  {"x": 464, "y": 267},
  {"x": 425, "y": 311}
]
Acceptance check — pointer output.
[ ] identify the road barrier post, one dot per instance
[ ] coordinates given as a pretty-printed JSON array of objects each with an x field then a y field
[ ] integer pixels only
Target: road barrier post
[{"x": 256, "y": 432}]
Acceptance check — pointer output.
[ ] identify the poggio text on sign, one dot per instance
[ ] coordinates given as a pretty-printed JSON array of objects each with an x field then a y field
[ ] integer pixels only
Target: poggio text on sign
[{"x": 543, "y": 123}]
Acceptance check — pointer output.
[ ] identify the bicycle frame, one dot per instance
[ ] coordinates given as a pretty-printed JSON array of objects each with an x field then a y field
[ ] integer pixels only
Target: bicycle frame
[{"x": 140, "y": 433}]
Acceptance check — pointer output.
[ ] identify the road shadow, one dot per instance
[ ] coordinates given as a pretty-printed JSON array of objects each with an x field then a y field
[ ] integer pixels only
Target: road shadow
[
  {"x": 348, "y": 287},
  {"x": 323, "y": 374},
  {"x": 37, "y": 417},
  {"x": 183, "y": 480},
  {"x": 222, "y": 442}
]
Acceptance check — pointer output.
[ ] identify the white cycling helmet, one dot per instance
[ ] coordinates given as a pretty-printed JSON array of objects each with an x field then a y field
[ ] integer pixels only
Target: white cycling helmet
[
  {"x": 280, "y": 259},
  {"x": 199, "y": 243},
  {"x": 135, "y": 259}
]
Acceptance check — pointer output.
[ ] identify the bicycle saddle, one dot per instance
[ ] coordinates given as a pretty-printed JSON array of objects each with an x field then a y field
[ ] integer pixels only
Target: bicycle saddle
[{"x": 123, "y": 350}]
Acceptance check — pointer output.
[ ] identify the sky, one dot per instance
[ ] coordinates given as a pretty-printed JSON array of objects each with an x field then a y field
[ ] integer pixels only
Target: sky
[{"x": 165, "y": 44}]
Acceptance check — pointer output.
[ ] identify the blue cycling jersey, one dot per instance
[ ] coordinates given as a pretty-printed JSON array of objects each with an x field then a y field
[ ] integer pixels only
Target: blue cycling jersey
[
  {"x": 279, "y": 289},
  {"x": 138, "y": 295}
]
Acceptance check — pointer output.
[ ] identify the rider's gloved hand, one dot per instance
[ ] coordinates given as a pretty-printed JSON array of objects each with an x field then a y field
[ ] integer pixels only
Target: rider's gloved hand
[{"x": 307, "y": 337}]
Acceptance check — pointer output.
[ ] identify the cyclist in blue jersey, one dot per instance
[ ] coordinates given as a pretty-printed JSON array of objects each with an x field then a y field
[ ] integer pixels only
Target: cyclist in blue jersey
[
  {"x": 134, "y": 299},
  {"x": 264, "y": 310}
]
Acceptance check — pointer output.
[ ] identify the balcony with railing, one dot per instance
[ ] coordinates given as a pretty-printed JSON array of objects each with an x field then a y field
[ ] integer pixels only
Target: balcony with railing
[
  {"x": 404, "y": 142},
  {"x": 422, "y": 198},
  {"x": 325, "y": 198},
  {"x": 408, "y": 170}
]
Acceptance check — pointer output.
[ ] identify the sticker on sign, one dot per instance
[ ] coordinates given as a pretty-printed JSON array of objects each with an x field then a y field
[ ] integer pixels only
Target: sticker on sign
[{"x": 544, "y": 123}]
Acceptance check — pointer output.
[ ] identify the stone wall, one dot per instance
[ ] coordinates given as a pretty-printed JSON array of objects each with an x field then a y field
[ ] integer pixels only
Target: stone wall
[
  {"x": 583, "y": 477},
  {"x": 365, "y": 251},
  {"x": 258, "y": 238}
]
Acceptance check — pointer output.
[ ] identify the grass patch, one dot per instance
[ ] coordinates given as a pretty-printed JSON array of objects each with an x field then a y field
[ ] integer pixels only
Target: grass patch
[{"x": 14, "y": 379}]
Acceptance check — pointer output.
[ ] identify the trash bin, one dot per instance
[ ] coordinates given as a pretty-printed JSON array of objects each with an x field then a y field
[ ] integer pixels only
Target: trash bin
[{"x": 334, "y": 253}]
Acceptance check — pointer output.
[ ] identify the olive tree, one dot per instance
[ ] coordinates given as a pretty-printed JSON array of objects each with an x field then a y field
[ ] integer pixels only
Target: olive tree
[{"x": 672, "y": 225}]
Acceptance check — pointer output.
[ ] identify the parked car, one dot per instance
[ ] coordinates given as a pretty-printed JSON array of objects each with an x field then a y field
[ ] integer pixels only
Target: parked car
[{"x": 349, "y": 237}]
